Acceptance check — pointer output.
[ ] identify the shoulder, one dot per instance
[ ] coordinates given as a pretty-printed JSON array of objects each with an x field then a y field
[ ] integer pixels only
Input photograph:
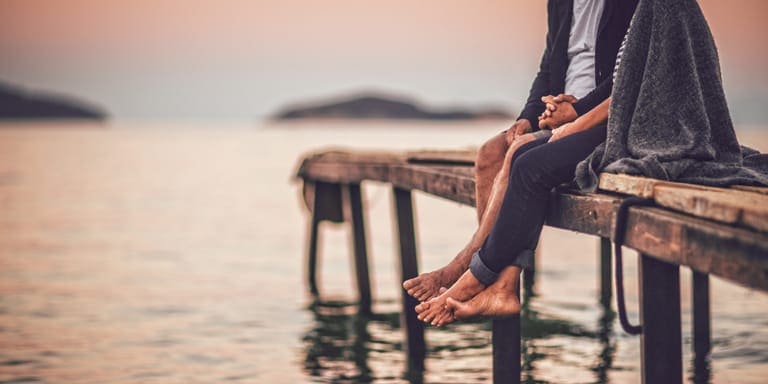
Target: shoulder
[
  {"x": 553, "y": 5},
  {"x": 558, "y": 9}
]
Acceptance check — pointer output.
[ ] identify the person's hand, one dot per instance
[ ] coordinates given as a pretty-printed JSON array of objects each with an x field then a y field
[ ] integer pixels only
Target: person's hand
[
  {"x": 558, "y": 110},
  {"x": 519, "y": 128},
  {"x": 563, "y": 131}
]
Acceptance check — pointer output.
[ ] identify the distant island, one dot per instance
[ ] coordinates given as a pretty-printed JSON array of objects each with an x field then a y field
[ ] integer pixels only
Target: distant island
[
  {"x": 19, "y": 104},
  {"x": 374, "y": 106}
]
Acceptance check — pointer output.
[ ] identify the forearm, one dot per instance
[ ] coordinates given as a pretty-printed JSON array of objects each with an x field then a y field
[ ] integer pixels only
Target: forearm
[
  {"x": 593, "y": 99},
  {"x": 595, "y": 117}
]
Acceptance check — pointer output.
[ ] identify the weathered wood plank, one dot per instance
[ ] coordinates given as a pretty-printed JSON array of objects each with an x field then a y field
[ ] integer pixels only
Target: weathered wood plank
[
  {"x": 730, "y": 206},
  {"x": 762, "y": 190},
  {"x": 348, "y": 167},
  {"x": 457, "y": 157},
  {"x": 592, "y": 214},
  {"x": 453, "y": 183},
  {"x": 638, "y": 186},
  {"x": 735, "y": 254}
]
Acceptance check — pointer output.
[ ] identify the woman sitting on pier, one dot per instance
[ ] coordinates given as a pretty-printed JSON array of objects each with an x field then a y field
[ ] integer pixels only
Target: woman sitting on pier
[{"x": 668, "y": 120}]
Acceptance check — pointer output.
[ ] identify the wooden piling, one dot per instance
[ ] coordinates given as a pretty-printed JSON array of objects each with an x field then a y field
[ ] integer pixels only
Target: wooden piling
[
  {"x": 314, "y": 233},
  {"x": 414, "y": 329},
  {"x": 661, "y": 341},
  {"x": 507, "y": 348},
  {"x": 325, "y": 202},
  {"x": 604, "y": 258},
  {"x": 354, "y": 213},
  {"x": 701, "y": 327}
]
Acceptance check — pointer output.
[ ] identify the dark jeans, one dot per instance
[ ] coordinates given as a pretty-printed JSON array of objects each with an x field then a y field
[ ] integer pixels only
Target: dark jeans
[{"x": 537, "y": 167}]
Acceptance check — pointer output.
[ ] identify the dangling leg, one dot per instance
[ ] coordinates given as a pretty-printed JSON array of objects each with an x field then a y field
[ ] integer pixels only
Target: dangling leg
[
  {"x": 426, "y": 286},
  {"x": 518, "y": 225}
]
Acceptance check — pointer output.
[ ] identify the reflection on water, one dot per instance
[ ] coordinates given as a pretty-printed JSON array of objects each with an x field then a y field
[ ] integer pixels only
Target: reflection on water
[{"x": 342, "y": 345}]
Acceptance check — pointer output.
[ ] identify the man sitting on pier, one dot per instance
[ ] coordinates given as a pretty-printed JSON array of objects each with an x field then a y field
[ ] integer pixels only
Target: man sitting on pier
[{"x": 582, "y": 42}]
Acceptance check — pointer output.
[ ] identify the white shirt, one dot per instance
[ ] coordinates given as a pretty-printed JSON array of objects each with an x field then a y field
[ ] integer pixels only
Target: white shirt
[{"x": 580, "y": 76}]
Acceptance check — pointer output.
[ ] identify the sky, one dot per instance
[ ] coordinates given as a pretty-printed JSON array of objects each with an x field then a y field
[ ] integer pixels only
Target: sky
[{"x": 244, "y": 59}]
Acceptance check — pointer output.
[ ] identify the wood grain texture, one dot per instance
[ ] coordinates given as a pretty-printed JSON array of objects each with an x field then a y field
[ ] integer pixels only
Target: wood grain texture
[{"x": 732, "y": 206}]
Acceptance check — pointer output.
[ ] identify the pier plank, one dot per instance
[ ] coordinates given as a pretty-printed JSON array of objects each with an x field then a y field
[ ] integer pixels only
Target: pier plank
[
  {"x": 457, "y": 157},
  {"x": 732, "y": 206}
]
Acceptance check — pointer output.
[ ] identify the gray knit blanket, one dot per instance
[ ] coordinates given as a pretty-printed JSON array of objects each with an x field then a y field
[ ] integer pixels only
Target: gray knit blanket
[{"x": 668, "y": 117}]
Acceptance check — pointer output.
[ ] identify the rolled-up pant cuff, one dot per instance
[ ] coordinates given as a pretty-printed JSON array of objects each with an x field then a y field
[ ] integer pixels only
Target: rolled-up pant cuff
[
  {"x": 487, "y": 276},
  {"x": 481, "y": 271}
]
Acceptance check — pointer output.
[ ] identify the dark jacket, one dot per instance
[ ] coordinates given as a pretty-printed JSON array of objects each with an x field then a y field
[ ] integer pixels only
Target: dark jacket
[{"x": 554, "y": 63}]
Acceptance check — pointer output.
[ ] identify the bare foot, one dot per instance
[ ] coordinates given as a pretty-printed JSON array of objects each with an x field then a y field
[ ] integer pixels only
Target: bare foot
[
  {"x": 427, "y": 285},
  {"x": 498, "y": 300},
  {"x": 436, "y": 309}
]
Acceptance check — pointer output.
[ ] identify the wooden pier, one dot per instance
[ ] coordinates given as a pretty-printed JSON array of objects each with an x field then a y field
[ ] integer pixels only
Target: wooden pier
[{"x": 712, "y": 231}]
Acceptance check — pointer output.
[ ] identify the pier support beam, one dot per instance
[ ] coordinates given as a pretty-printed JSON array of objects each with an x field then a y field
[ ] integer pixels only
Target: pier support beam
[
  {"x": 414, "y": 329},
  {"x": 604, "y": 258},
  {"x": 661, "y": 342},
  {"x": 354, "y": 215},
  {"x": 701, "y": 328},
  {"x": 324, "y": 200},
  {"x": 507, "y": 348},
  {"x": 314, "y": 239}
]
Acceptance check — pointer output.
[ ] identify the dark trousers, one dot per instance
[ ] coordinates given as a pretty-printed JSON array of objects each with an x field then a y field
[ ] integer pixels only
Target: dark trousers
[{"x": 537, "y": 168}]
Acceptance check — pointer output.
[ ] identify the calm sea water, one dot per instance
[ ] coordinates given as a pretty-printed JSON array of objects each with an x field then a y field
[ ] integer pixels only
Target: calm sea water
[{"x": 166, "y": 253}]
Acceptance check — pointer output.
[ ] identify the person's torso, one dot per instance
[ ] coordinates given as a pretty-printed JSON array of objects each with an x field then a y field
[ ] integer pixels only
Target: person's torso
[{"x": 606, "y": 29}]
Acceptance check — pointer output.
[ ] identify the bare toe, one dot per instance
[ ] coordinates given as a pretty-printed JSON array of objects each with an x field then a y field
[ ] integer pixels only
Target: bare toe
[
  {"x": 445, "y": 319},
  {"x": 460, "y": 309},
  {"x": 427, "y": 318}
]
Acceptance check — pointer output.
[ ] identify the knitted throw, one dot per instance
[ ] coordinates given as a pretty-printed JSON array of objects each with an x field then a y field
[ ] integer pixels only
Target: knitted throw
[{"x": 668, "y": 117}]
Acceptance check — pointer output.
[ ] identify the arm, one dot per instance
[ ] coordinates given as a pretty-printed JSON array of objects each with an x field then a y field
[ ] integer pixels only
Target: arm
[
  {"x": 593, "y": 99},
  {"x": 595, "y": 117},
  {"x": 540, "y": 87}
]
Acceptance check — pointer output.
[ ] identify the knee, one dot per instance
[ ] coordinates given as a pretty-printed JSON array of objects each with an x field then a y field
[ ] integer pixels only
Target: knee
[
  {"x": 491, "y": 154},
  {"x": 526, "y": 173}
]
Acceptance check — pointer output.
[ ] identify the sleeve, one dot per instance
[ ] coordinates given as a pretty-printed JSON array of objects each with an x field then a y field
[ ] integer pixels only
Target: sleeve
[
  {"x": 533, "y": 106},
  {"x": 597, "y": 96},
  {"x": 604, "y": 89}
]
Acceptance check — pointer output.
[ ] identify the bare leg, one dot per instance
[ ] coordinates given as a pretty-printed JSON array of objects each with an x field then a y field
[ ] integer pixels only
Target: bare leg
[
  {"x": 426, "y": 286},
  {"x": 498, "y": 300},
  {"x": 487, "y": 166},
  {"x": 497, "y": 192}
]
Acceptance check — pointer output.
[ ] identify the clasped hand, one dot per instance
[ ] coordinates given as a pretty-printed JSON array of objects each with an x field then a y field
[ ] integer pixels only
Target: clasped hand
[{"x": 558, "y": 111}]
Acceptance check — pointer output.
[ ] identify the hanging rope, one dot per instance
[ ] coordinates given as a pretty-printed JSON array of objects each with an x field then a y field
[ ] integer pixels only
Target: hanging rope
[{"x": 618, "y": 238}]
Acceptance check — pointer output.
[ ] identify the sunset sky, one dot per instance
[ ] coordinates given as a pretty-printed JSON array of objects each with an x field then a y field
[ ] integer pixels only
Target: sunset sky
[{"x": 243, "y": 59}]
